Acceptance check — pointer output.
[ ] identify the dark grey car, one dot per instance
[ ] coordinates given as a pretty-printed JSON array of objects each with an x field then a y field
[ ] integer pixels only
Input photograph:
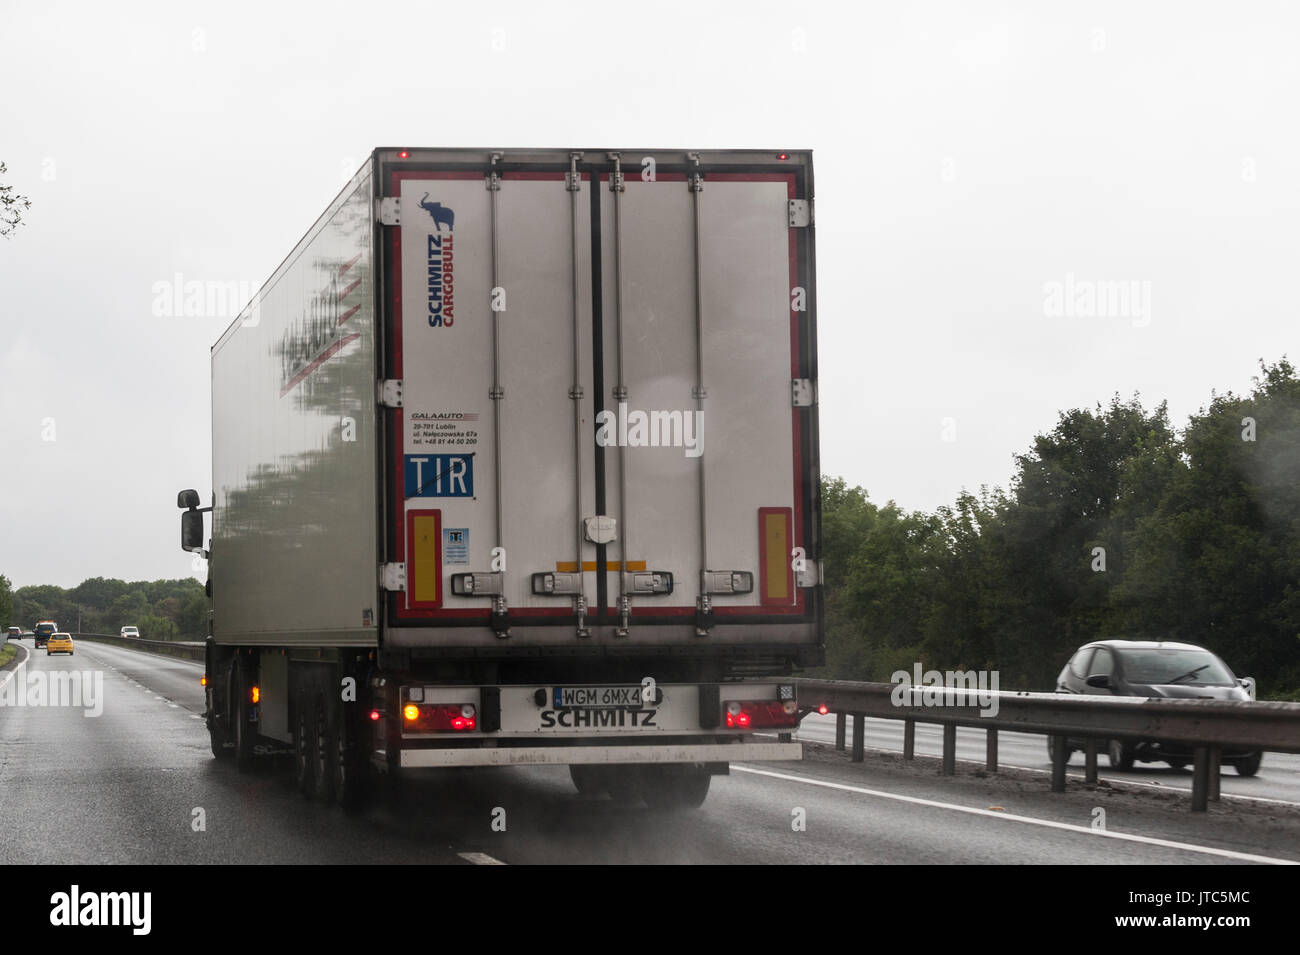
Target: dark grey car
[{"x": 1157, "y": 669}]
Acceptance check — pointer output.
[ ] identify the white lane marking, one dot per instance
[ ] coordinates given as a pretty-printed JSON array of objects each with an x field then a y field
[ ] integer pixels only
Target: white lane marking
[
  {"x": 9, "y": 674},
  {"x": 479, "y": 858},
  {"x": 1161, "y": 787},
  {"x": 1028, "y": 820}
]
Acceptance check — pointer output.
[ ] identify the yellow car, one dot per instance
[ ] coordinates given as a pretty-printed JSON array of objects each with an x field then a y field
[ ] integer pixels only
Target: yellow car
[{"x": 59, "y": 643}]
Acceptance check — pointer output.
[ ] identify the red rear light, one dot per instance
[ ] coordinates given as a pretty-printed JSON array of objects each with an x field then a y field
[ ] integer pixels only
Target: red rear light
[
  {"x": 783, "y": 156},
  {"x": 436, "y": 717},
  {"x": 403, "y": 154},
  {"x": 823, "y": 710},
  {"x": 756, "y": 714},
  {"x": 375, "y": 714}
]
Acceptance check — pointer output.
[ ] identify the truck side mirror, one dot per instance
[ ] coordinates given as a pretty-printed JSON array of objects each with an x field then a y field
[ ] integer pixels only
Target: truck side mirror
[
  {"x": 192, "y": 530},
  {"x": 189, "y": 498}
]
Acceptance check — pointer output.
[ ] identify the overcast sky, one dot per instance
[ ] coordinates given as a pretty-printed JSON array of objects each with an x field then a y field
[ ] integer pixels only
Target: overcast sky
[{"x": 982, "y": 169}]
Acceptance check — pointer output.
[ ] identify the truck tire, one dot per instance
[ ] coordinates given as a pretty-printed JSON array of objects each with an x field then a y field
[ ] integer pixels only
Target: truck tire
[
  {"x": 304, "y": 747},
  {"x": 669, "y": 791},
  {"x": 241, "y": 709},
  {"x": 220, "y": 742},
  {"x": 1120, "y": 755},
  {"x": 326, "y": 753},
  {"x": 625, "y": 784},
  {"x": 1051, "y": 749},
  {"x": 349, "y": 772},
  {"x": 586, "y": 779},
  {"x": 1249, "y": 765}
]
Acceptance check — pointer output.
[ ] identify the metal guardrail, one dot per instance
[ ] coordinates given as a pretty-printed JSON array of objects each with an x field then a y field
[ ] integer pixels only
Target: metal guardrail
[
  {"x": 1207, "y": 726},
  {"x": 173, "y": 648}
]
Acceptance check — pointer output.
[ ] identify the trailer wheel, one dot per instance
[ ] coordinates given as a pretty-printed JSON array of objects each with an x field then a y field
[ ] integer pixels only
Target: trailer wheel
[
  {"x": 622, "y": 783},
  {"x": 349, "y": 773},
  {"x": 304, "y": 748},
  {"x": 625, "y": 784},
  {"x": 240, "y": 711},
  {"x": 219, "y": 749},
  {"x": 219, "y": 725},
  {"x": 217, "y": 735},
  {"x": 586, "y": 779},
  {"x": 666, "y": 791},
  {"x": 326, "y": 753}
]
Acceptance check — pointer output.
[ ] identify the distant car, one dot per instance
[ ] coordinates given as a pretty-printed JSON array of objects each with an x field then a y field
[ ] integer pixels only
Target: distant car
[
  {"x": 15, "y": 633},
  {"x": 131, "y": 632},
  {"x": 59, "y": 643},
  {"x": 43, "y": 631},
  {"x": 1156, "y": 669}
]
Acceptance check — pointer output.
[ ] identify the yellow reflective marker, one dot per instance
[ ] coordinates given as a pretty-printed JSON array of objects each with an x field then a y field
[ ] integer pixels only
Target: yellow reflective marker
[
  {"x": 424, "y": 559},
  {"x": 777, "y": 582}
]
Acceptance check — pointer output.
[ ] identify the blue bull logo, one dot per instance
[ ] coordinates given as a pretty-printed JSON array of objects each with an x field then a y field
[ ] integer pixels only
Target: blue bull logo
[{"x": 439, "y": 212}]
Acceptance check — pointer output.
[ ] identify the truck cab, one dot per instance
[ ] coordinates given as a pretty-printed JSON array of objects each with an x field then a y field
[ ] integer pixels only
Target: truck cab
[{"x": 43, "y": 631}]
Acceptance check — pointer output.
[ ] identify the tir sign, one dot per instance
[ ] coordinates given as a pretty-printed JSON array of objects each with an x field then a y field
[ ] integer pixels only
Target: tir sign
[{"x": 439, "y": 475}]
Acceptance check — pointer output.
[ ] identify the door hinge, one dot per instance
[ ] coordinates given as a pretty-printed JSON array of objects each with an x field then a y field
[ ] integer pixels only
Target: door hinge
[
  {"x": 390, "y": 393},
  {"x": 390, "y": 210},
  {"x": 392, "y": 576},
  {"x": 801, "y": 213},
  {"x": 810, "y": 575},
  {"x": 803, "y": 392}
]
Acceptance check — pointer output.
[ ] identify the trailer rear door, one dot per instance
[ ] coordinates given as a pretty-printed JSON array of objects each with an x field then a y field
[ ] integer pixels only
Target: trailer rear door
[{"x": 606, "y": 428}]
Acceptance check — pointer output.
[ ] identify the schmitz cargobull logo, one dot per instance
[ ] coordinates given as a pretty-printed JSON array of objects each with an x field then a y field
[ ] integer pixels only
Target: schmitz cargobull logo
[{"x": 441, "y": 275}]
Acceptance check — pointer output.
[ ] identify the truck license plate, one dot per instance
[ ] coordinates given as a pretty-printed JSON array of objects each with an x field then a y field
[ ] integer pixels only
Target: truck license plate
[{"x": 589, "y": 696}]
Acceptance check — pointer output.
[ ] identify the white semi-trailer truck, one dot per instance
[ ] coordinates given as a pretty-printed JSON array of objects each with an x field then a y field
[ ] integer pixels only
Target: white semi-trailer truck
[{"x": 515, "y": 461}]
